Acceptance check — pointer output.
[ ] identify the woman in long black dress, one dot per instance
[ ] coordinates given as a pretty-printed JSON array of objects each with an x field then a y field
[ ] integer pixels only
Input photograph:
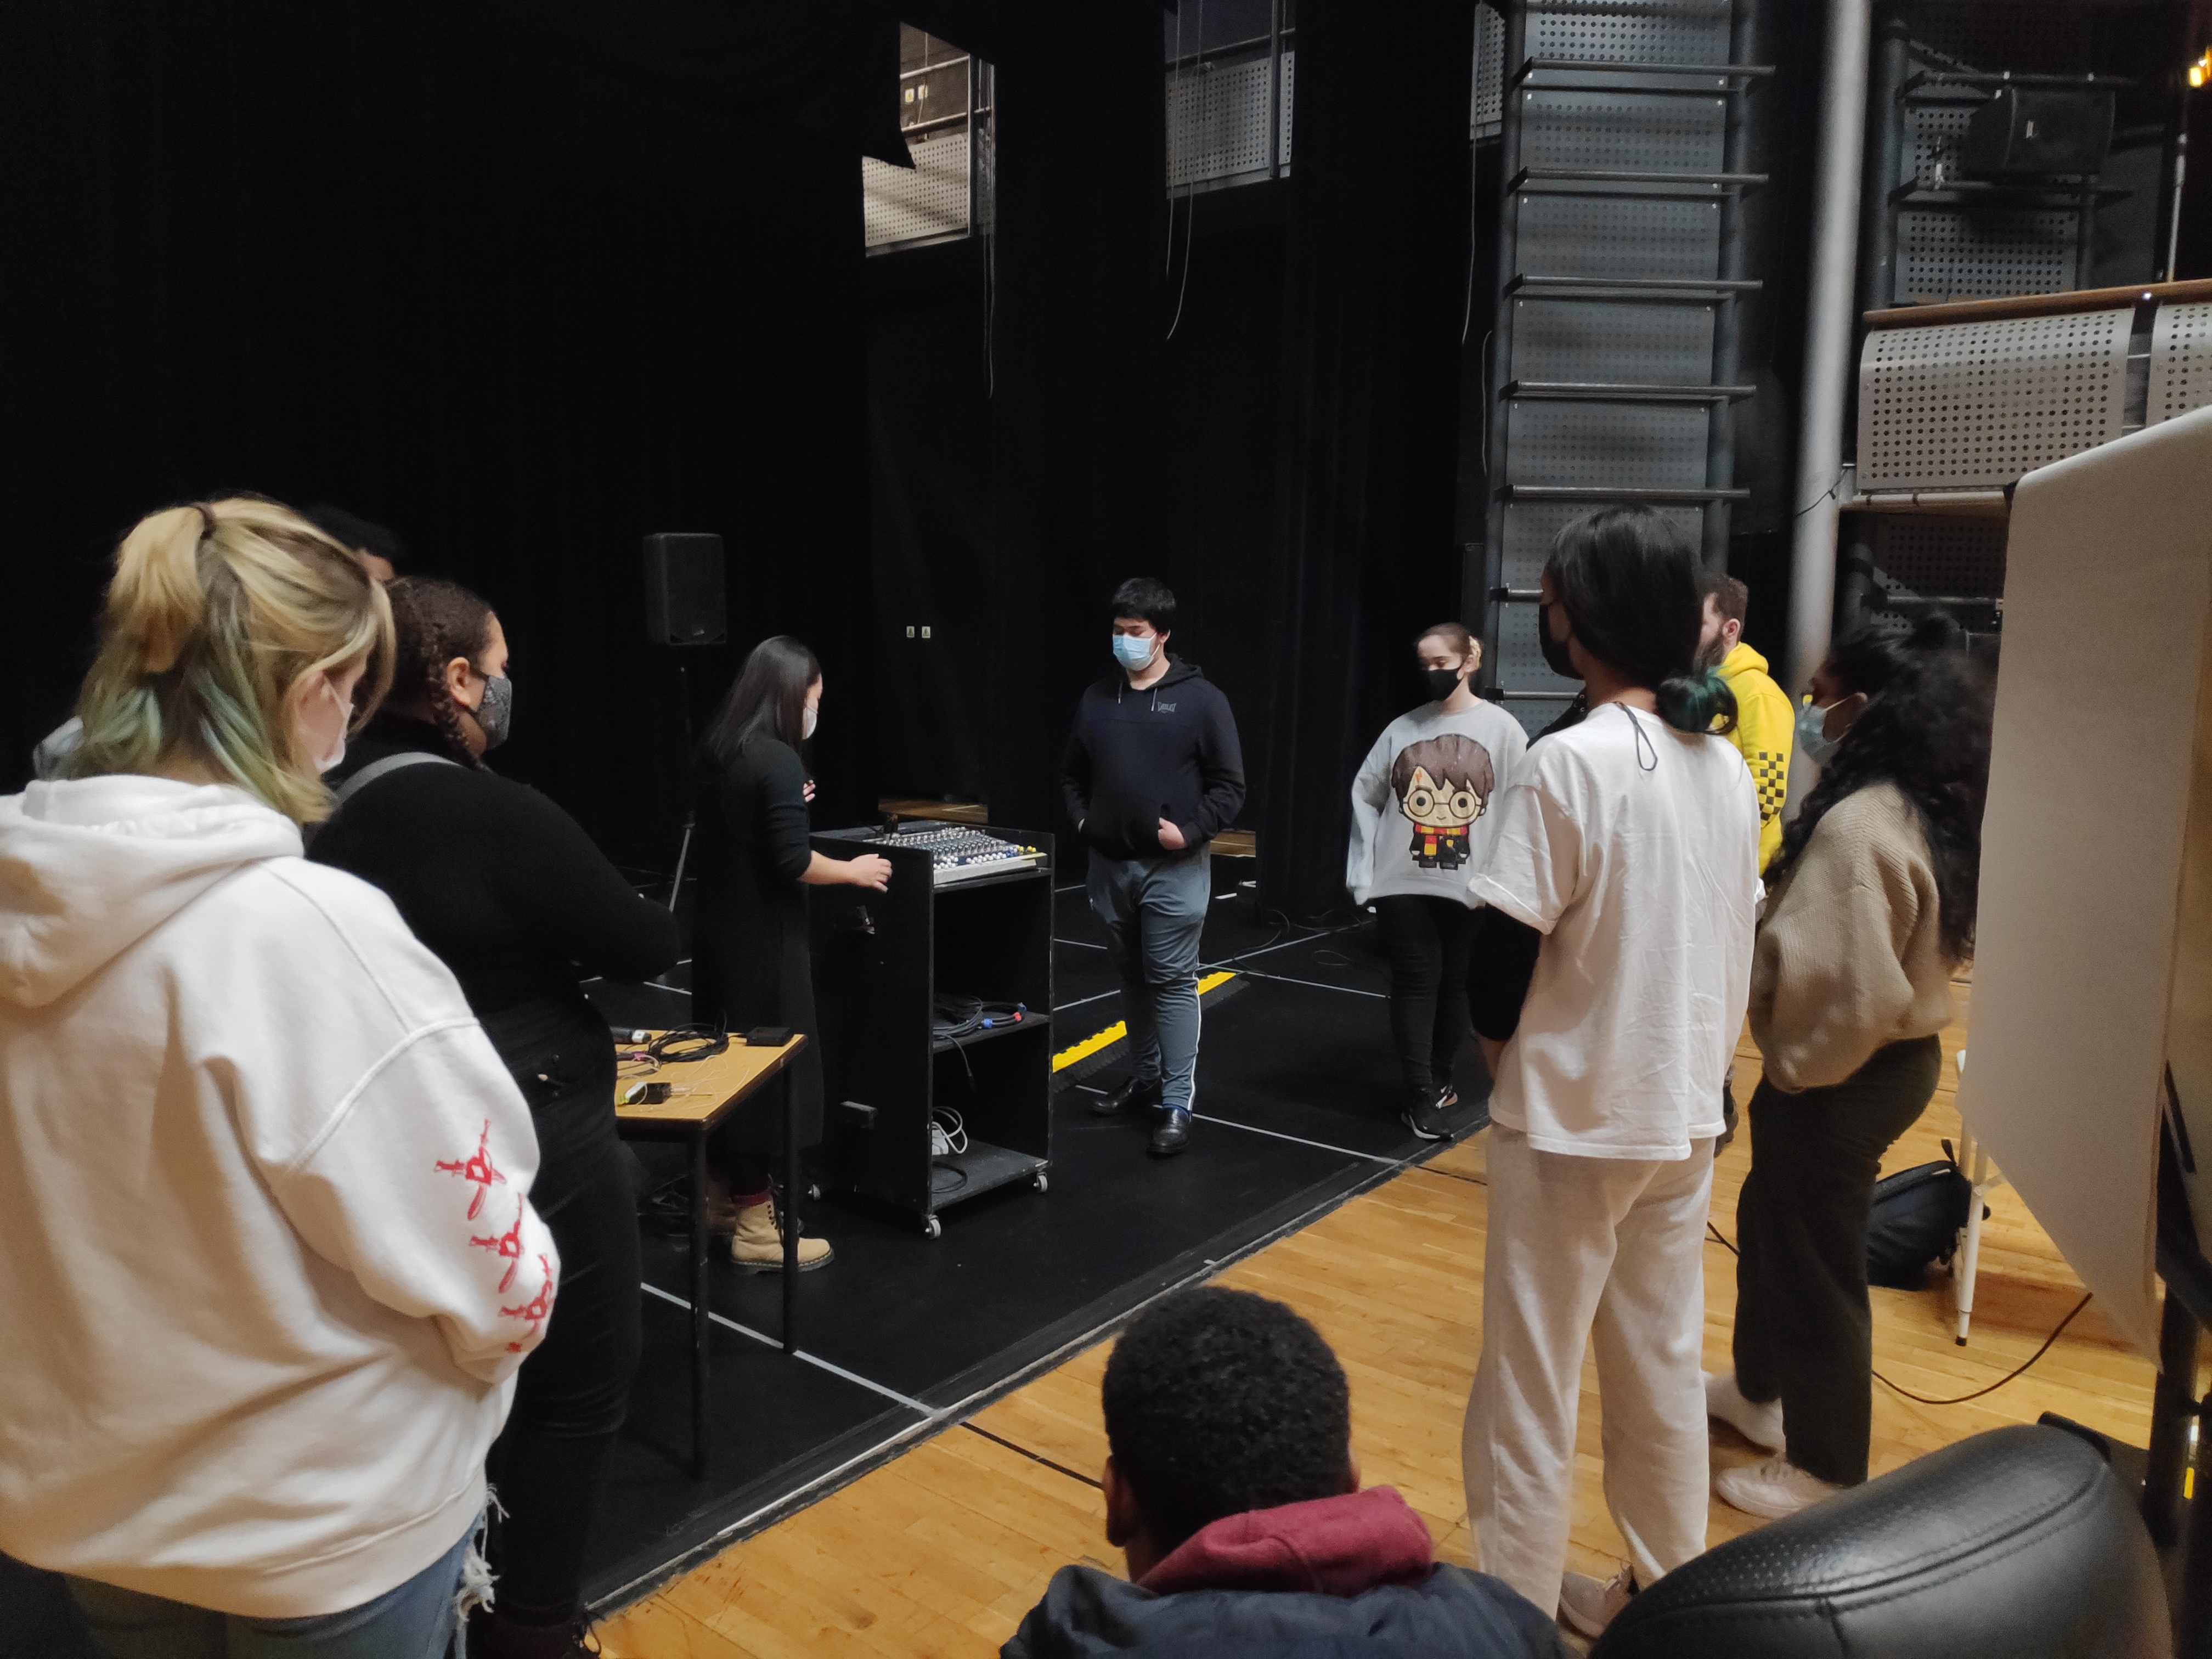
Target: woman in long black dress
[
  {"x": 752, "y": 964},
  {"x": 512, "y": 895}
]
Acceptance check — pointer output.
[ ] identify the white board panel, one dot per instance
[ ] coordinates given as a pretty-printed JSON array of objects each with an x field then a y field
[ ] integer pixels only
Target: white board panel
[{"x": 2108, "y": 591}]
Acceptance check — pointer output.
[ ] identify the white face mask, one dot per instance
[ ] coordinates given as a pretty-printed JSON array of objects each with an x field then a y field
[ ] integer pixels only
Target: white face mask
[
  {"x": 333, "y": 757},
  {"x": 806, "y": 726}
]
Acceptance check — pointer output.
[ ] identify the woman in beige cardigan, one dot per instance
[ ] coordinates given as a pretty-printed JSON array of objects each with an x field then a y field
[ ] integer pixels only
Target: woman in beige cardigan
[{"x": 1870, "y": 910}]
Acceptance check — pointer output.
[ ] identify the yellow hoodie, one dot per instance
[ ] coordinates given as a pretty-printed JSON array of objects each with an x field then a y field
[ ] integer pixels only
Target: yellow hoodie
[{"x": 1765, "y": 726}]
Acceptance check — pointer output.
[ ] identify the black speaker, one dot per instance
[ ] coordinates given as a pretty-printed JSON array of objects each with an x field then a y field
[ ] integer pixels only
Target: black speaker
[
  {"x": 685, "y": 598},
  {"x": 2038, "y": 132}
]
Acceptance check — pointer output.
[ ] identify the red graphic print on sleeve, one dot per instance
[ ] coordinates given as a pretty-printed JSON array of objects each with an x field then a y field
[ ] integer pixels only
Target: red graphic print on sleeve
[
  {"x": 478, "y": 1168},
  {"x": 537, "y": 1308},
  {"x": 507, "y": 1245}
]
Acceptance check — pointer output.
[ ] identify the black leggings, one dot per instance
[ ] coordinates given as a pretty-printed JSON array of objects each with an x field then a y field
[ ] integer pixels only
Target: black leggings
[
  {"x": 549, "y": 1463},
  {"x": 1426, "y": 941}
]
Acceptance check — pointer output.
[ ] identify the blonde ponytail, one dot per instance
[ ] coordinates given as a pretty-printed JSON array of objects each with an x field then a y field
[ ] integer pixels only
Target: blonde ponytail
[
  {"x": 155, "y": 602},
  {"x": 215, "y": 612}
]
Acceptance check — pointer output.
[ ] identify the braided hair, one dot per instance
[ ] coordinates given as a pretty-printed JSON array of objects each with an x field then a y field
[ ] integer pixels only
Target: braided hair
[
  {"x": 1926, "y": 732},
  {"x": 436, "y": 621}
]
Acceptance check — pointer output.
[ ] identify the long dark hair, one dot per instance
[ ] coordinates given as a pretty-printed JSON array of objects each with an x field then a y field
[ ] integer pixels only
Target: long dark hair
[
  {"x": 1628, "y": 579},
  {"x": 434, "y": 621},
  {"x": 1927, "y": 732},
  {"x": 767, "y": 700}
]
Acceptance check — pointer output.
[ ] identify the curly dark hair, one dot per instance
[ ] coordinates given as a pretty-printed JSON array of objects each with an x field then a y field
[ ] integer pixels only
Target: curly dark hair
[
  {"x": 1927, "y": 731},
  {"x": 1218, "y": 1401},
  {"x": 436, "y": 621}
]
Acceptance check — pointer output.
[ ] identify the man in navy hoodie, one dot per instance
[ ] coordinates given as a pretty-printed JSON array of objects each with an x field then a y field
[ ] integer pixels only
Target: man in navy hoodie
[
  {"x": 1233, "y": 1494},
  {"x": 1151, "y": 775}
]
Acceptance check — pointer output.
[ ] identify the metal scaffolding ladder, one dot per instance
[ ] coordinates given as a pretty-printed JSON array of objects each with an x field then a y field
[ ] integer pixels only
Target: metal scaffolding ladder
[{"x": 1619, "y": 260}]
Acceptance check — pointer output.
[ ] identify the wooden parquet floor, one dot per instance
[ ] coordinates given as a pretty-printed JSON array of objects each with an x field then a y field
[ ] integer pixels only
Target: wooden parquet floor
[{"x": 941, "y": 1552}]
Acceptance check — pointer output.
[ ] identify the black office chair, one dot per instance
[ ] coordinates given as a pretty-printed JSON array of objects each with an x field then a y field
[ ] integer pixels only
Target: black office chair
[{"x": 2020, "y": 1543}]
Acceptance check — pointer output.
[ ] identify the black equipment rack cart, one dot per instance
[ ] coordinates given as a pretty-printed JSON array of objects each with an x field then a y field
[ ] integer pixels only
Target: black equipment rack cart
[{"x": 880, "y": 962}]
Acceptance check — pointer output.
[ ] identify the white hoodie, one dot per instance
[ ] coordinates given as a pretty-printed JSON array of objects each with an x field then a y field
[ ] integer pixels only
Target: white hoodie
[{"x": 268, "y": 1264}]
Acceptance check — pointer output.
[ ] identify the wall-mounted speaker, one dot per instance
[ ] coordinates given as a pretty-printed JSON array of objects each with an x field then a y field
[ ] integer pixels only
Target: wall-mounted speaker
[
  {"x": 2038, "y": 132},
  {"x": 685, "y": 601}
]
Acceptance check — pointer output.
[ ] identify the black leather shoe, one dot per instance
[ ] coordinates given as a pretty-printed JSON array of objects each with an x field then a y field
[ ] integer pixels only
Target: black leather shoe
[
  {"x": 1131, "y": 1096},
  {"x": 1173, "y": 1134},
  {"x": 1425, "y": 1118}
]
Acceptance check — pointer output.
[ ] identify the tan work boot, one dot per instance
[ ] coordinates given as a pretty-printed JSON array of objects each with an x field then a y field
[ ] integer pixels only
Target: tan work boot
[{"x": 757, "y": 1244}]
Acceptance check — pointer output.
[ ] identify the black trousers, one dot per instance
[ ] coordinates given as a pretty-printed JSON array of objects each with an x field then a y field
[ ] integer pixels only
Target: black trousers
[
  {"x": 1426, "y": 941},
  {"x": 1804, "y": 1332},
  {"x": 550, "y": 1461}
]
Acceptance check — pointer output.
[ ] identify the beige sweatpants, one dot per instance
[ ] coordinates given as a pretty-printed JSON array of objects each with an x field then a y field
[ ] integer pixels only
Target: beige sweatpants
[{"x": 1577, "y": 1246}]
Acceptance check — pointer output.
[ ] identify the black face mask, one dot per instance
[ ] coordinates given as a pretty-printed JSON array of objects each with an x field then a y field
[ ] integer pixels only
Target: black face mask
[
  {"x": 1555, "y": 651},
  {"x": 1440, "y": 682}
]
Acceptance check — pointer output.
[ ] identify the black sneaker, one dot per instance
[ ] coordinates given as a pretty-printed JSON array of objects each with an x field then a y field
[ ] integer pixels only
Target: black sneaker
[
  {"x": 1133, "y": 1094},
  {"x": 1173, "y": 1134},
  {"x": 1425, "y": 1117}
]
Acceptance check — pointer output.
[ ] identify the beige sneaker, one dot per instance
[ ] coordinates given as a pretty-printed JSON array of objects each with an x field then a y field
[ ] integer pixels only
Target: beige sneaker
[
  {"x": 1774, "y": 1489},
  {"x": 1760, "y": 1424},
  {"x": 1590, "y": 1606},
  {"x": 756, "y": 1245}
]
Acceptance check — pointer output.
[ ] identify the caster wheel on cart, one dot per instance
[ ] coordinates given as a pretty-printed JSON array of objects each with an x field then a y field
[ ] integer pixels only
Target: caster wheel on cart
[
  {"x": 1037, "y": 1180},
  {"x": 933, "y": 1228}
]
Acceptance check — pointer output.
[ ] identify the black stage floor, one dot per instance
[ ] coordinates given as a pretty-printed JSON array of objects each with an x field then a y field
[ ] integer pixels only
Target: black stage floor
[{"x": 1298, "y": 1110}]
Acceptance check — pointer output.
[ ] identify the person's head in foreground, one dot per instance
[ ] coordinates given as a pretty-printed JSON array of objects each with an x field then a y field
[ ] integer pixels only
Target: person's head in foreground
[
  {"x": 1621, "y": 611},
  {"x": 1233, "y": 1494},
  {"x": 237, "y": 643}
]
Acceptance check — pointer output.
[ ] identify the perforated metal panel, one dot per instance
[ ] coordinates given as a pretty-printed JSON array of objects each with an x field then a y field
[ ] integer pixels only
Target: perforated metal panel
[
  {"x": 1607, "y": 446},
  {"x": 1939, "y": 558},
  {"x": 1695, "y": 32},
  {"x": 1621, "y": 130},
  {"x": 1217, "y": 122},
  {"x": 1531, "y": 527},
  {"x": 1489, "y": 73},
  {"x": 2180, "y": 361},
  {"x": 1613, "y": 236},
  {"x": 900, "y": 205},
  {"x": 1592, "y": 340},
  {"x": 1974, "y": 405},
  {"x": 1948, "y": 255}
]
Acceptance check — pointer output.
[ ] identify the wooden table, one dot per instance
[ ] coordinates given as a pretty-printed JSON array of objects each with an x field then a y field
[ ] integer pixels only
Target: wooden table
[{"x": 701, "y": 1094}]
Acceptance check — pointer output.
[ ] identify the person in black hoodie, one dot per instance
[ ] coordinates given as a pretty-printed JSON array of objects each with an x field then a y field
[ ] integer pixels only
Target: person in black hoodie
[
  {"x": 1233, "y": 1496},
  {"x": 1151, "y": 775},
  {"x": 511, "y": 894}
]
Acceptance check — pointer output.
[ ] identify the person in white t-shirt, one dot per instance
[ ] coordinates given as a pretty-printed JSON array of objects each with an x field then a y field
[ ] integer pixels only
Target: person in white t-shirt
[
  {"x": 1607, "y": 989},
  {"x": 1418, "y": 830}
]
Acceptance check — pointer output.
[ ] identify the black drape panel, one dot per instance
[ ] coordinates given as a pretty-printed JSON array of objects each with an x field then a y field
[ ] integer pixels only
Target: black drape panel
[
  {"x": 1375, "y": 294},
  {"x": 526, "y": 287},
  {"x": 1076, "y": 278}
]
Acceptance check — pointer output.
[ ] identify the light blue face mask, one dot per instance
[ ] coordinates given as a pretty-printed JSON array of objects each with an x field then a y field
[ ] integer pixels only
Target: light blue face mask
[
  {"x": 1812, "y": 740},
  {"x": 1132, "y": 652}
]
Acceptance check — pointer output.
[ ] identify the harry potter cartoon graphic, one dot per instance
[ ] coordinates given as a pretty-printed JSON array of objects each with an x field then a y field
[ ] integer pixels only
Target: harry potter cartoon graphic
[{"x": 1442, "y": 784}]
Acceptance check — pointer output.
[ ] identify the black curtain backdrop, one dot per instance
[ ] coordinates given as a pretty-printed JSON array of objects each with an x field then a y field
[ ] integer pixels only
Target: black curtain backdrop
[
  {"x": 526, "y": 283},
  {"x": 1375, "y": 296},
  {"x": 1076, "y": 276}
]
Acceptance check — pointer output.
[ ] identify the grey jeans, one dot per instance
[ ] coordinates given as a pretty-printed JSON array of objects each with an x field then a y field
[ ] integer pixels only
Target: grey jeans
[
  {"x": 421, "y": 1618},
  {"x": 1154, "y": 911}
]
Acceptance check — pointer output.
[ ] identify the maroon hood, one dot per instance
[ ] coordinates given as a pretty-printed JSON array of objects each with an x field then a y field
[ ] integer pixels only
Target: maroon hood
[{"x": 1331, "y": 1546}]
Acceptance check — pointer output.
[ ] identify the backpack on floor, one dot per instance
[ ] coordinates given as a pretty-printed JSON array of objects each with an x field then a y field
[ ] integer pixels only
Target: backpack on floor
[{"x": 1914, "y": 1221}]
